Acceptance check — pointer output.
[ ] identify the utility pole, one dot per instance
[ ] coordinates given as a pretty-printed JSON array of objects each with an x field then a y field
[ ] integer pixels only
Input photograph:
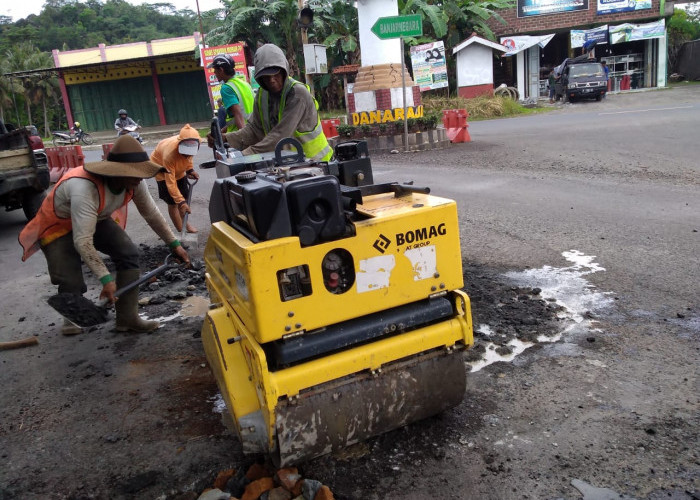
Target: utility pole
[{"x": 201, "y": 27}]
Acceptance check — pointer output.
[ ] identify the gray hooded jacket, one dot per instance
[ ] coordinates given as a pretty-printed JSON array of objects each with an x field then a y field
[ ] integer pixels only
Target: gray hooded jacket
[{"x": 299, "y": 112}]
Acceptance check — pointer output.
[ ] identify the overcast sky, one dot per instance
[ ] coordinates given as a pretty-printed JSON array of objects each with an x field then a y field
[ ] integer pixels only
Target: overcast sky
[{"x": 18, "y": 9}]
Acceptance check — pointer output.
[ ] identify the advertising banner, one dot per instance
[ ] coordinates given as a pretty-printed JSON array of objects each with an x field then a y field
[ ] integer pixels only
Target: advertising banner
[
  {"x": 598, "y": 35},
  {"x": 235, "y": 50},
  {"x": 611, "y": 6},
  {"x": 515, "y": 44},
  {"x": 629, "y": 32},
  {"x": 541, "y": 7},
  {"x": 429, "y": 66}
]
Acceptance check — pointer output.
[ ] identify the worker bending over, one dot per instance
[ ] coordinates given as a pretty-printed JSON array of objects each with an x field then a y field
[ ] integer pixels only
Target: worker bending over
[
  {"x": 176, "y": 155},
  {"x": 86, "y": 212},
  {"x": 283, "y": 108}
]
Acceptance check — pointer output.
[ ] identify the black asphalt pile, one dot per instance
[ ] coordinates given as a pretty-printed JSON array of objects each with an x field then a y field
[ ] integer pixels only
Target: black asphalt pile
[
  {"x": 163, "y": 295},
  {"x": 78, "y": 309},
  {"x": 510, "y": 312}
]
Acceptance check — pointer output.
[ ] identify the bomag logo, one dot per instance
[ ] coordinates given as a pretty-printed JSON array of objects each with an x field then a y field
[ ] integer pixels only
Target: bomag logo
[{"x": 420, "y": 237}]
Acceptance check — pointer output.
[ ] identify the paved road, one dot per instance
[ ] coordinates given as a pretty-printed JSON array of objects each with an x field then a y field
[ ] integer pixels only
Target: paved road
[{"x": 596, "y": 203}]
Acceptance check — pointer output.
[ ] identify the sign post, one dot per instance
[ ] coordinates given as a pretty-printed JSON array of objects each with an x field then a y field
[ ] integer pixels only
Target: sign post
[{"x": 387, "y": 28}]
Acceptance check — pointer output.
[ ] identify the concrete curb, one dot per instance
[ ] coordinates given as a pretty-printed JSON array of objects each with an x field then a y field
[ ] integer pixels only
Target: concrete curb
[{"x": 417, "y": 141}]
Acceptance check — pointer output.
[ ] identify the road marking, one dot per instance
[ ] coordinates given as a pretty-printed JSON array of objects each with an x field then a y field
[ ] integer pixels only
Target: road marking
[{"x": 645, "y": 110}]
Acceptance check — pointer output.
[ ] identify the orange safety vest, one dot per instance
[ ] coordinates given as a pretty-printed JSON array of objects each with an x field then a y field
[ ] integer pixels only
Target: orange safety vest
[{"x": 47, "y": 226}]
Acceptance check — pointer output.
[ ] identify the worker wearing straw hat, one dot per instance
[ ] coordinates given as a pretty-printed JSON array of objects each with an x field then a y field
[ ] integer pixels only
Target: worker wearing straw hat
[{"x": 84, "y": 213}]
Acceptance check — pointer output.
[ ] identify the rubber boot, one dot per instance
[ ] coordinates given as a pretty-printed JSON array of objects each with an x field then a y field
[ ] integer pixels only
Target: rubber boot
[
  {"x": 70, "y": 328},
  {"x": 127, "y": 306}
]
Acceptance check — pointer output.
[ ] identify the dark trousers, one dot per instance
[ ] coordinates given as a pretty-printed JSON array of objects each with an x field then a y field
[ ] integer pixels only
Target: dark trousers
[{"x": 65, "y": 263}]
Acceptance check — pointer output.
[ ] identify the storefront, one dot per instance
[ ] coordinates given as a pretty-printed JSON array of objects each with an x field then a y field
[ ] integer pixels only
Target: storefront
[
  {"x": 158, "y": 83},
  {"x": 629, "y": 35}
]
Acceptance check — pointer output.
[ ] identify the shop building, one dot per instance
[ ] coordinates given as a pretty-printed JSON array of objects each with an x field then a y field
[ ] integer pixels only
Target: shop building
[
  {"x": 630, "y": 36},
  {"x": 158, "y": 83}
]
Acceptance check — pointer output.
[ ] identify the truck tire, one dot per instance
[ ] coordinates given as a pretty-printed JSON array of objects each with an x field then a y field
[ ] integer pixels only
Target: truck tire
[{"x": 31, "y": 202}]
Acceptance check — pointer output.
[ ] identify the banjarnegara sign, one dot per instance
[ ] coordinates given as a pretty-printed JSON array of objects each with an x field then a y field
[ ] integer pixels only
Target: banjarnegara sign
[
  {"x": 386, "y": 116},
  {"x": 541, "y": 7}
]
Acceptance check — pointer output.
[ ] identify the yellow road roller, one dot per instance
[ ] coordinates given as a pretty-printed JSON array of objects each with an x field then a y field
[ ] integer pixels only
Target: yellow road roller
[{"x": 336, "y": 305}]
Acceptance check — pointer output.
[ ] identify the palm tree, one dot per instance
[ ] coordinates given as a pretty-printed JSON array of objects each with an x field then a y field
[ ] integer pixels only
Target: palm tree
[{"x": 23, "y": 58}]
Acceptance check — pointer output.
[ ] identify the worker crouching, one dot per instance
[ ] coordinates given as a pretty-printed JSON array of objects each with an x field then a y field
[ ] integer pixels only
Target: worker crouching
[{"x": 84, "y": 213}]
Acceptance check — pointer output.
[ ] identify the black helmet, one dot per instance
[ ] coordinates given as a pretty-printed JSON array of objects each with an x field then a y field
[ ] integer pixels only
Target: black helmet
[
  {"x": 122, "y": 112},
  {"x": 224, "y": 61}
]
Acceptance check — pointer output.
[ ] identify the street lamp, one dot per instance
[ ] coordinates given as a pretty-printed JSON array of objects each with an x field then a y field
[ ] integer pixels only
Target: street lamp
[{"x": 306, "y": 17}]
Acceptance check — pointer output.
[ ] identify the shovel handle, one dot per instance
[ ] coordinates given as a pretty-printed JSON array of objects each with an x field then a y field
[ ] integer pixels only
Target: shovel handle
[
  {"x": 141, "y": 280},
  {"x": 189, "y": 200}
]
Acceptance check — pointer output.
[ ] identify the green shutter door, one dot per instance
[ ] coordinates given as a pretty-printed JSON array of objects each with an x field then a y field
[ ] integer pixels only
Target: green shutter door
[
  {"x": 185, "y": 97},
  {"x": 95, "y": 105}
]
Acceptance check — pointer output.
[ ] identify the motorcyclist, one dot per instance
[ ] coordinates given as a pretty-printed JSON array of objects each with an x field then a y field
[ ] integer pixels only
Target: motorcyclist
[
  {"x": 75, "y": 129},
  {"x": 124, "y": 121}
]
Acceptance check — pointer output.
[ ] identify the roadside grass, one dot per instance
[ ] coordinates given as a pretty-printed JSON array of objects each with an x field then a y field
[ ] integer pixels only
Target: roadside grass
[
  {"x": 479, "y": 108},
  {"x": 684, "y": 83}
]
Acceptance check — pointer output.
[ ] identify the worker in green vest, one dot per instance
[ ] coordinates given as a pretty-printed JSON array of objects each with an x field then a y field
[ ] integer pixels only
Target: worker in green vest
[
  {"x": 283, "y": 108},
  {"x": 236, "y": 92}
]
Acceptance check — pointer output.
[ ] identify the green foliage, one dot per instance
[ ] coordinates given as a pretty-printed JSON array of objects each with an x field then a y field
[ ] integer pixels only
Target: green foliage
[
  {"x": 682, "y": 27},
  {"x": 26, "y": 45},
  {"x": 345, "y": 130},
  {"x": 74, "y": 25},
  {"x": 454, "y": 20}
]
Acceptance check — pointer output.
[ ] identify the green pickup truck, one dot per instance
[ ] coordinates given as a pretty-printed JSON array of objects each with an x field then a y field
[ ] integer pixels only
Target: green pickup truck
[{"x": 24, "y": 171}]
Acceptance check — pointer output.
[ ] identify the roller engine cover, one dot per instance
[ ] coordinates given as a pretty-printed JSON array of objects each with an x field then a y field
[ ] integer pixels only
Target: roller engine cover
[{"x": 265, "y": 209}]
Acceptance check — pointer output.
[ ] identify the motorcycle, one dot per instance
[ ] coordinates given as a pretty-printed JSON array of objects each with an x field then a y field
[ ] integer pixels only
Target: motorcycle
[
  {"x": 66, "y": 138},
  {"x": 131, "y": 130}
]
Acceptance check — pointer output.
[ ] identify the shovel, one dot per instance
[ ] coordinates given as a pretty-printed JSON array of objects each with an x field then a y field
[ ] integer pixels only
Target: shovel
[
  {"x": 84, "y": 312},
  {"x": 188, "y": 239}
]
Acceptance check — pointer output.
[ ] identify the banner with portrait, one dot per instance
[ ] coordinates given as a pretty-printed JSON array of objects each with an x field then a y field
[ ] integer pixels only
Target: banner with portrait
[{"x": 429, "y": 66}]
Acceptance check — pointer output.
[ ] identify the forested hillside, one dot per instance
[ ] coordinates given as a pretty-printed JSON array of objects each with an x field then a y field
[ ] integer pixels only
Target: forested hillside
[{"x": 70, "y": 25}]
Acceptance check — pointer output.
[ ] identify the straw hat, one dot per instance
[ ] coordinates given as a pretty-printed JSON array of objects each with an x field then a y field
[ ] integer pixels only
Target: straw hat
[{"x": 126, "y": 159}]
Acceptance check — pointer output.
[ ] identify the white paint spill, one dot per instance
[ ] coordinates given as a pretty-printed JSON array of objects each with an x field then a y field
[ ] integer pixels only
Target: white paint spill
[
  {"x": 491, "y": 356},
  {"x": 485, "y": 330},
  {"x": 218, "y": 403},
  {"x": 568, "y": 287},
  {"x": 162, "y": 319}
]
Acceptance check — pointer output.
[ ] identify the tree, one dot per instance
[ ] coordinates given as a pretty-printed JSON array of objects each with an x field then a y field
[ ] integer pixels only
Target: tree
[
  {"x": 683, "y": 27},
  {"x": 454, "y": 20},
  {"x": 257, "y": 22},
  {"x": 35, "y": 88}
]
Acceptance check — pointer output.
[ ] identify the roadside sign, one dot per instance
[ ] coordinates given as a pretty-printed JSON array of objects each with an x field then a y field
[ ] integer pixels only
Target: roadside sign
[{"x": 398, "y": 26}]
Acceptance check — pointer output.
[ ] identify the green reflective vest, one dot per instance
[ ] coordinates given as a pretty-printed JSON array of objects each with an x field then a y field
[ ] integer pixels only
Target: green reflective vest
[
  {"x": 314, "y": 142},
  {"x": 244, "y": 92}
]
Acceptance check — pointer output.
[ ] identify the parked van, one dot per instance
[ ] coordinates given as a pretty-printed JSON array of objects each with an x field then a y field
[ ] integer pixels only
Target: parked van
[{"x": 578, "y": 79}]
